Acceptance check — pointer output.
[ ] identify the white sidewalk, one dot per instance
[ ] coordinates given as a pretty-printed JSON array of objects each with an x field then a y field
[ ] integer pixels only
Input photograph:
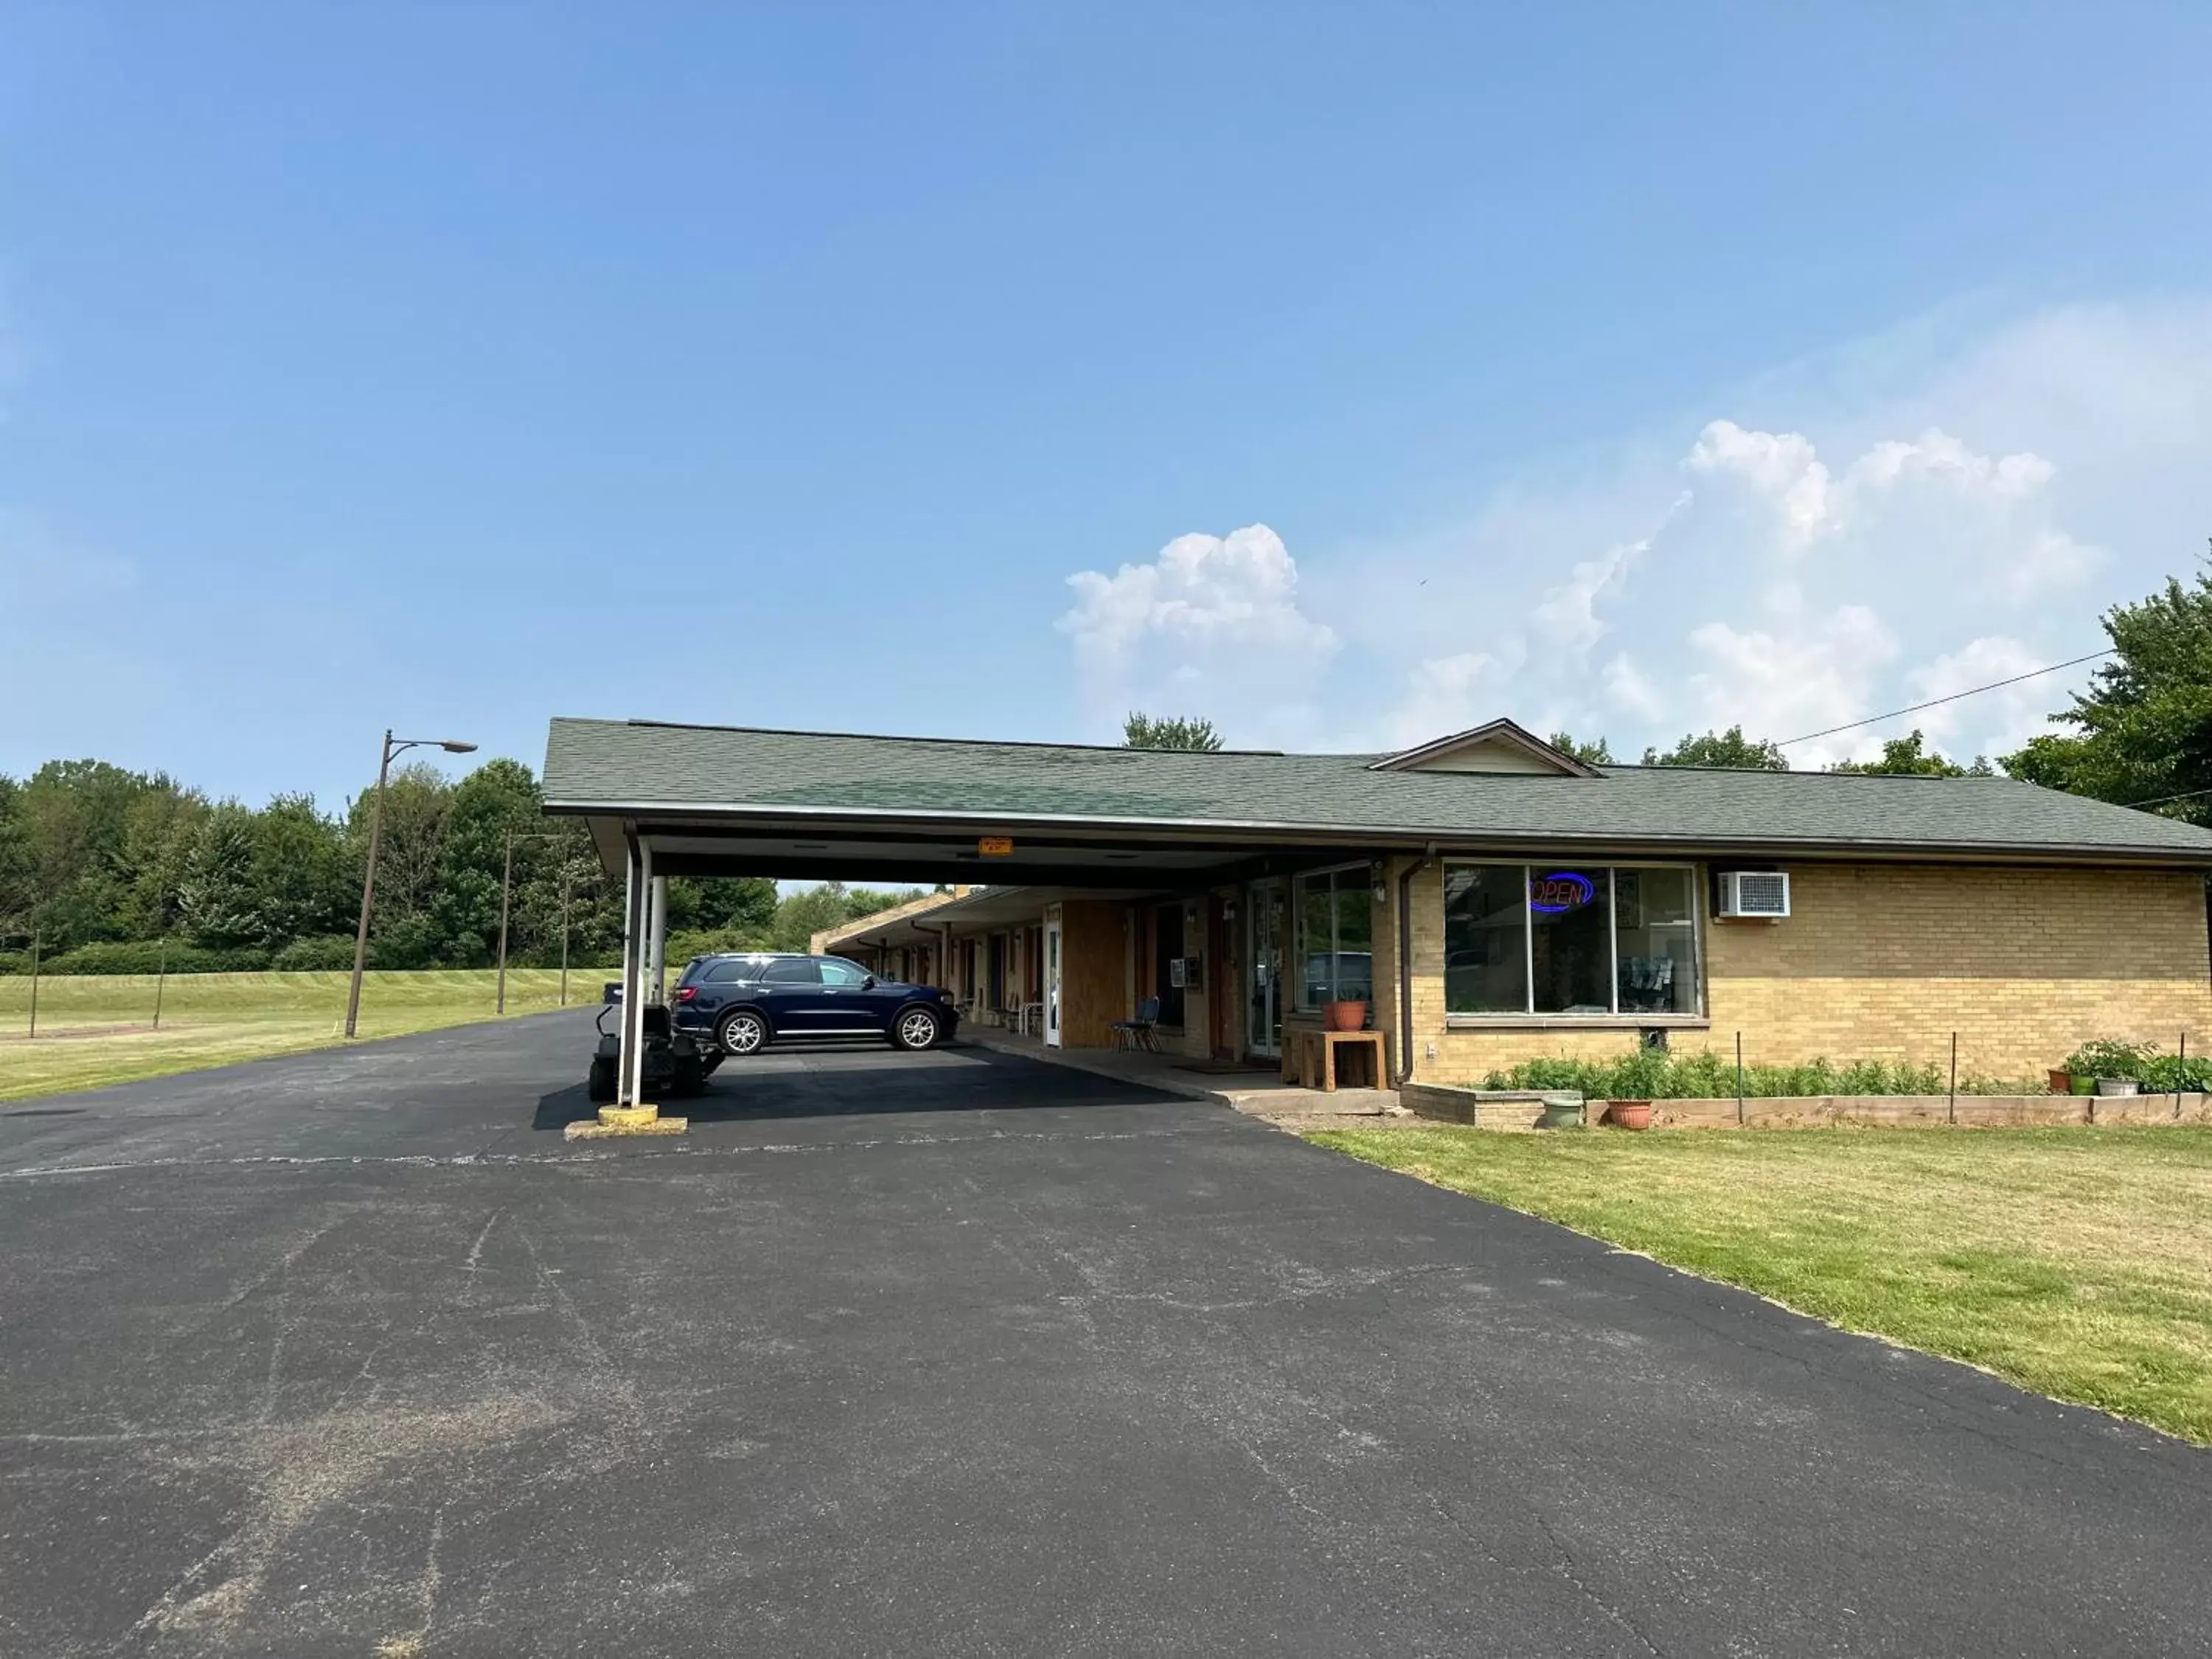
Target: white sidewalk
[{"x": 1259, "y": 1092}]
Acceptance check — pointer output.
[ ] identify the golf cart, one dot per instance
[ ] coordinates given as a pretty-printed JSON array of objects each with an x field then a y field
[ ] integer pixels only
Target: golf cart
[{"x": 677, "y": 1066}]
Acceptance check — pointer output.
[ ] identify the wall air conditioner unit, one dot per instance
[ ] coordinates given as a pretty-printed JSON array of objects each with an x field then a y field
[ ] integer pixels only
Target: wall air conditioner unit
[{"x": 1760, "y": 893}]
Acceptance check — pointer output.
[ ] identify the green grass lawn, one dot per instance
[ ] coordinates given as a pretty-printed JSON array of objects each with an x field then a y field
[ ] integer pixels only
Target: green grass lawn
[
  {"x": 96, "y": 1028},
  {"x": 2075, "y": 1262}
]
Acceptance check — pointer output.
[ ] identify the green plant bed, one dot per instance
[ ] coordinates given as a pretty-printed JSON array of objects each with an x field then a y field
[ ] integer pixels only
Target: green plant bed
[{"x": 1712, "y": 1076}]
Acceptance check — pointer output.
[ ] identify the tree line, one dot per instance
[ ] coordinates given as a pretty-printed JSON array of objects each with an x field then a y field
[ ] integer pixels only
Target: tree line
[{"x": 110, "y": 870}]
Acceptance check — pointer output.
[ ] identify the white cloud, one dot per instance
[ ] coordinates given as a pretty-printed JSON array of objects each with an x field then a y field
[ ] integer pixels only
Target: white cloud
[
  {"x": 1445, "y": 695},
  {"x": 1780, "y": 466},
  {"x": 1628, "y": 689},
  {"x": 1865, "y": 531},
  {"x": 1994, "y": 722},
  {"x": 1569, "y": 612},
  {"x": 1787, "y": 683},
  {"x": 1214, "y": 622}
]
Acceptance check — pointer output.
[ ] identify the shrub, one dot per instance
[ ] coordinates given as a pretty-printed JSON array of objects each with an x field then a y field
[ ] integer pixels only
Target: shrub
[
  {"x": 323, "y": 953},
  {"x": 1708, "y": 1076},
  {"x": 145, "y": 957},
  {"x": 2169, "y": 1074}
]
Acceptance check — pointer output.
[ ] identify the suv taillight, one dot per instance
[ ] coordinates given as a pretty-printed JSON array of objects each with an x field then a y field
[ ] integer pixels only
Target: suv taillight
[{"x": 685, "y": 993}]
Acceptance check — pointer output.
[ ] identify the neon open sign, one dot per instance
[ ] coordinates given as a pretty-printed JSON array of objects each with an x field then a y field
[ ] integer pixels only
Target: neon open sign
[{"x": 1563, "y": 889}]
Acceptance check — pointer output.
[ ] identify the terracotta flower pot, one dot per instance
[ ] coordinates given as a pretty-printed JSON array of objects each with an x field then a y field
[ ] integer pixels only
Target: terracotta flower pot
[
  {"x": 1629, "y": 1115},
  {"x": 2060, "y": 1083},
  {"x": 1350, "y": 1016}
]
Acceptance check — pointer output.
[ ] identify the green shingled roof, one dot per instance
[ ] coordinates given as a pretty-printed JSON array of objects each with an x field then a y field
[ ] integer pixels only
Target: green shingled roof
[{"x": 618, "y": 766}]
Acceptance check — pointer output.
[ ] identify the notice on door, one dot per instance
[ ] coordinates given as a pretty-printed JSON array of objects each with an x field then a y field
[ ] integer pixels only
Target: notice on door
[{"x": 995, "y": 847}]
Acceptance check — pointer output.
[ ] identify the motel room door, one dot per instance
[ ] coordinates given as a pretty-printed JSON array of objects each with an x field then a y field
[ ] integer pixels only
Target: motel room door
[
  {"x": 1052, "y": 978},
  {"x": 1263, "y": 969}
]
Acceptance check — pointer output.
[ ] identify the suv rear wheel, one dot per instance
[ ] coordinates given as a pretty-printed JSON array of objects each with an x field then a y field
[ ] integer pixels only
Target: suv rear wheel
[
  {"x": 742, "y": 1031},
  {"x": 915, "y": 1029}
]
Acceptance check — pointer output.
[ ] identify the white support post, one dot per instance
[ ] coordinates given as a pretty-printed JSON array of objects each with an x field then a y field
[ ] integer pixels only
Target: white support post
[
  {"x": 657, "y": 938},
  {"x": 634, "y": 991},
  {"x": 629, "y": 1049}
]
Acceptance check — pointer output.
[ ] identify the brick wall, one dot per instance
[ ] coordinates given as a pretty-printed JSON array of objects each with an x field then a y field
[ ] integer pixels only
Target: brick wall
[{"x": 1885, "y": 961}]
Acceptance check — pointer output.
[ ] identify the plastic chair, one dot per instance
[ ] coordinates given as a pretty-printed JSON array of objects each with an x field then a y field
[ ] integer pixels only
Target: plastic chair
[{"x": 1140, "y": 1032}]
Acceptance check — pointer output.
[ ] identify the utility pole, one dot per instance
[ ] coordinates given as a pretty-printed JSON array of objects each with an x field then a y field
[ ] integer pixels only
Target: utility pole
[
  {"x": 567, "y": 878},
  {"x": 505, "y": 886},
  {"x": 452, "y": 746}
]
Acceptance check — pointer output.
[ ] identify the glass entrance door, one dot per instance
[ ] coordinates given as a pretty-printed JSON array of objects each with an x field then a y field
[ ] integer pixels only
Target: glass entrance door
[
  {"x": 1263, "y": 973},
  {"x": 1052, "y": 983}
]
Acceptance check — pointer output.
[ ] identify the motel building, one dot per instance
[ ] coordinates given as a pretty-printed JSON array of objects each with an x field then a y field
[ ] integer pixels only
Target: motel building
[{"x": 1476, "y": 900}]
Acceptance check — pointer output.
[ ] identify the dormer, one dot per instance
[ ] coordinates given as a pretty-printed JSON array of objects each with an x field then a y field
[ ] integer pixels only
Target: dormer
[{"x": 1499, "y": 747}]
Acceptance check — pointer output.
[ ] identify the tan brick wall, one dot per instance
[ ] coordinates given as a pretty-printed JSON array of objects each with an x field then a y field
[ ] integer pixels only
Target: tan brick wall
[{"x": 1885, "y": 961}]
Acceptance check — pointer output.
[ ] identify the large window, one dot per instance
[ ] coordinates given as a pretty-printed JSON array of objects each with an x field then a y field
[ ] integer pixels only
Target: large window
[
  {"x": 1336, "y": 937},
  {"x": 1570, "y": 939}
]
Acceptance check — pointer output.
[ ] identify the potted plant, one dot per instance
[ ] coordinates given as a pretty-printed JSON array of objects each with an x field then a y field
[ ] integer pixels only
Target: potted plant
[
  {"x": 1629, "y": 1114},
  {"x": 2109, "y": 1067},
  {"x": 1348, "y": 1014},
  {"x": 1561, "y": 1112}
]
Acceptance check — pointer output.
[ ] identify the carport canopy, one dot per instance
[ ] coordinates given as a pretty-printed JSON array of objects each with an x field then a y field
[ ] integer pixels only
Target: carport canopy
[
  {"x": 798, "y": 806},
  {"x": 663, "y": 800}
]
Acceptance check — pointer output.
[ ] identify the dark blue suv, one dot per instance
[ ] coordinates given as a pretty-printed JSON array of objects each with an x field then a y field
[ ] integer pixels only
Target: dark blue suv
[{"x": 748, "y": 1001}]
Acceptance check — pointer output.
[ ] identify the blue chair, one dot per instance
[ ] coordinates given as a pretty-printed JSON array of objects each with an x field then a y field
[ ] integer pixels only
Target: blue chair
[{"x": 1142, "y": 1032}]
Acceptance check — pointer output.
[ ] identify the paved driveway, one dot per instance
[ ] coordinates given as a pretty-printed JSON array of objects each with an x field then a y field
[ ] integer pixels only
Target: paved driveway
[{"x": 959, "y": 1354}]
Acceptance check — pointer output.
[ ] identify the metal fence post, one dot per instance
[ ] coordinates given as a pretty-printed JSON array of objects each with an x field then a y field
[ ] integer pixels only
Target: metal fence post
[
  {"x": 1739, "y": 1078},
  {"x": 34, "y": 981},
  {"x": 161, "y": 981},
  {"x": 1953, "y": 1114}
]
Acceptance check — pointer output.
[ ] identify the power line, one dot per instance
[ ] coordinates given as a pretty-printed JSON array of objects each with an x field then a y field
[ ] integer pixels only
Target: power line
[
  {"x": 1934, "y": 702},
  {"x": 2160, "y": 800}
]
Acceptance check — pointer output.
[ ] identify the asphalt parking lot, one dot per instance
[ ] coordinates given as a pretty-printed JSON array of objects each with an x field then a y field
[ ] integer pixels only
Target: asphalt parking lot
[{"x": 958, "y": 1354}]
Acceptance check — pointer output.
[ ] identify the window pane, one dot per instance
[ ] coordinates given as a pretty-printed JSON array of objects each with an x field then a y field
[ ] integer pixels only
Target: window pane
[
  {"x": 1572, "y": 942},
  {"x": 1658, "y": 929},
  {"x": 1355, "y": 937},
  {"x": 1485, "y": 939},
  {"x": 1317, "y": 940},
  {"x": 836, "y": 970},
  {"x": 793, "y": 970}
]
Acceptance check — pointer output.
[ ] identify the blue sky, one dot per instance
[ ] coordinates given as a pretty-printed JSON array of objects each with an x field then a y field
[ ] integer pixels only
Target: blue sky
[{"x": 1634, "y": 368}]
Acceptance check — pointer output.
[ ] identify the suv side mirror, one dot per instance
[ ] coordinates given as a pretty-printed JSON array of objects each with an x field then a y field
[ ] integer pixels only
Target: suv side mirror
[{"x": 869, "y": 983}]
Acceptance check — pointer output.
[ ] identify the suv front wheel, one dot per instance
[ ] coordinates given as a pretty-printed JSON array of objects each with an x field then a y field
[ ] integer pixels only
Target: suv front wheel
[
  {"x": 742, "y": 1032},
  {"x": 915, "y": 1029}
]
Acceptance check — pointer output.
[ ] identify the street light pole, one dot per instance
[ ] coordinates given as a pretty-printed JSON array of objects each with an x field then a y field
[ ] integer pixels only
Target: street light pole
[{"x": 452, "y": 746}]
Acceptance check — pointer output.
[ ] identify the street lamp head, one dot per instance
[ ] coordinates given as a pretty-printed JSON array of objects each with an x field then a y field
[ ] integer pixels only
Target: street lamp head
[{"x": 455, "y": 746}]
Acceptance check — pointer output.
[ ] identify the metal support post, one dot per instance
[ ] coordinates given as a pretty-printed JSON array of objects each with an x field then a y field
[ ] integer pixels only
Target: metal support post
[
  {"x": 630, "y": 944},
  {"x": 657, "y": 940},
  {"x": 634, "y": 993}
]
